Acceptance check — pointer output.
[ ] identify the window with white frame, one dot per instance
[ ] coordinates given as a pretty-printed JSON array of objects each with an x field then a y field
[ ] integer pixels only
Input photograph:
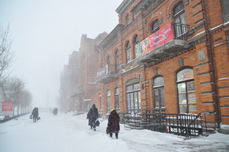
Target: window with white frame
[
  {"x": 158, "y": 92},
  {"x": 133, "y": 98},
  {"x": 100, "y": 104},
  {"x": 117, "y": 107},
  {"x": 128, "y": 52},
  {"x": 108, "y": 101},
  {"x": 136, "y": 41},
  {"x": 127, "y": 19},
  {"x": 116, "y": 61},
  {"x": 155, "y": 26},
  {"x": 179, "y": 19},
  {"x": 225, "y": 6},
  {"x": 108, "y": 63},
  {"x": 186, "y": 91}
]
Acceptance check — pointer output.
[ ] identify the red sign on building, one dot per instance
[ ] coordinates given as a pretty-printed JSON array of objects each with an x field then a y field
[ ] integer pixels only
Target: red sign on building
[
  {"x": 7, "y": 108},
  {"x": 155, "y": 40}
]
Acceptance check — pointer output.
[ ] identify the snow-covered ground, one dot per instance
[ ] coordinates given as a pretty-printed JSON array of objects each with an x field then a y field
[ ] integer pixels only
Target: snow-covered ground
[{"x": 67, "y": 133}]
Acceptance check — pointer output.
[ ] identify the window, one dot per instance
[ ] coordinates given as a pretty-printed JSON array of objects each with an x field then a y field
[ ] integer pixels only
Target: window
[
  {"x": 101, "y": 63},
  {"x": 155, "y": 26},
  {"x": 133, "y": 98},
  {"x": 186, "y": 91},
  {"x": 117, "y": 107},
  {"x": 100, "y": 104},
  {"x": 179, "y": 19},
  {"x": 136, "y": 41},
  {"x": 108, "y": 64},
  {"x": 108, "y": 101},
  {"x": 158, "y": 92},
  {"x": 128, "y": 55},
  {"x": 97, "y": 57},
  {"x": 127, "y": 19},
  {"x": 225, "y": 6},
  {"x": 116, "y": 61}
]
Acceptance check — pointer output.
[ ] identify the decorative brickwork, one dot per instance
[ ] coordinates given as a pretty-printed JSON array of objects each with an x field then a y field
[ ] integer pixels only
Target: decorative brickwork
[{"x": 199, "y": 45}]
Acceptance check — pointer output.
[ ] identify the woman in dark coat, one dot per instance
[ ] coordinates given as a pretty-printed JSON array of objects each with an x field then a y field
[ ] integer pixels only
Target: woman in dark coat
[
  {"x": 35, "y": 114},
  {"x": 113, "y": 123},
  {"x": 92, "y": 116}
]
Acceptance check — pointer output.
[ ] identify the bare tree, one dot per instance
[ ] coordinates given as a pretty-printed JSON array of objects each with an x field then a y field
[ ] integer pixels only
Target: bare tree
[
  {"x": 13, "y": 89},
  {"x": 25, "y": 99},
  {"x": 6, "y": 57}
]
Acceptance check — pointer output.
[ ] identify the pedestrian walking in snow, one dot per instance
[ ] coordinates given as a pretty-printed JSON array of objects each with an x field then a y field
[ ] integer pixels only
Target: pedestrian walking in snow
[
  {"x": 113, "y": 123},
  {"x": 55, "y": 111},
  {"x": 35, "y": 114},
  {"x": 93, "y": 115}
]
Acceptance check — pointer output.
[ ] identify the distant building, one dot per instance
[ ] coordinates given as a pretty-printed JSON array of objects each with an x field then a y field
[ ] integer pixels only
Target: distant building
[
  {"x": 88, "y": 59},
  {"x": 69, "y": 83}
]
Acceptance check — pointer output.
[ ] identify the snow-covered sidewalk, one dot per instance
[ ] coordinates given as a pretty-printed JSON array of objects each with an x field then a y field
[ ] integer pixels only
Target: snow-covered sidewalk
[{"x": 67, "y": 133}]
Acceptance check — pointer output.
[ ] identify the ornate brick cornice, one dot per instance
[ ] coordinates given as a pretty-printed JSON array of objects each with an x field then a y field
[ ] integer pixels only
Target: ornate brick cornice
[
  {"x": 123, "y": 6},
  {"x": 111, "y": 37}
]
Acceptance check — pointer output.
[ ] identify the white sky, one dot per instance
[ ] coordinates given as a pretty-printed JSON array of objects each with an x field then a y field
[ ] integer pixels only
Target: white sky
[
  {"x": 44, "y": 34},
  {"x": 67, "y": 133}
]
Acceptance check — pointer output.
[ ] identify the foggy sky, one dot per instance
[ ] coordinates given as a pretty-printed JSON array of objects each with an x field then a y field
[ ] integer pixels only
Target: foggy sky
[{"x": 44, "y": 34}]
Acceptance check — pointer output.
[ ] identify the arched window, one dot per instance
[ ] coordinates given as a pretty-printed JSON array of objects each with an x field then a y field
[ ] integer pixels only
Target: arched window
[
  {"x": 108, "y": 101},
  {"x": 108, "y": 63},
  {"x": 179, "y": 19},
  {"x": 116, "y": 61},
  {"x": 133, "y": 98},
  {"x": 127, "y": 19},
  {"x": 186, "y": 91},
  {"x": 155, "y": 26},
  {"x": 128, "y": 52},
  {"x": 158, "y": 92},
  {"x": 136, "y": 41},
  {"x": 117, "y": 107}
]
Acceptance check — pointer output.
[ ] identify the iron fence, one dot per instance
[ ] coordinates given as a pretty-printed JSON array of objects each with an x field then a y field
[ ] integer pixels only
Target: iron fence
[{"x": 158, "y": 120}]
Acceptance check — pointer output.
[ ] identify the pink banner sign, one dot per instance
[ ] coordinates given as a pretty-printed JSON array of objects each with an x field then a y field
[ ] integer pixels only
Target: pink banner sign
[
  {"x": 7, "y": 108},
  {"x": 159, "y": 38}
]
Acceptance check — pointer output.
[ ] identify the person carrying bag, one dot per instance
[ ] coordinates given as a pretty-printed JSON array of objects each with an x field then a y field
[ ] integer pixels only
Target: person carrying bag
[
  {"x": 113, "y": 123},
  {"x": 93, "y": 116}
]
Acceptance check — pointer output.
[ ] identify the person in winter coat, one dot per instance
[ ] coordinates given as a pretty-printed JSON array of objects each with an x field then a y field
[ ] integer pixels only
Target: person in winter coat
[
  {"x": 93, "y": 115},
  {"x": 113, "y": 123},
  {"x": 55, "y": 111},
  {"x": 35, "y": 114}
]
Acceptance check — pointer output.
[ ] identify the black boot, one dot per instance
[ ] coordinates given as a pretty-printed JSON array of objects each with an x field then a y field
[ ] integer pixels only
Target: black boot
[{"x": 116, "y": 135}]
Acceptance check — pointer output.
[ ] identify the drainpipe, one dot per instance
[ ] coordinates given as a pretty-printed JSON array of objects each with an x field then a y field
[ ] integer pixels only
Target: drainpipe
[{"x": 217, "y": 110}]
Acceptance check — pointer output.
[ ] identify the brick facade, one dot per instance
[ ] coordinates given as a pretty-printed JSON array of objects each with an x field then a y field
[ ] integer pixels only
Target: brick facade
[
  {"x": 88, "y": 57},
  {"x": 69, "y": 82},
  {"x": 187, "y": 74},
  {"x": 206, "y": 26}
]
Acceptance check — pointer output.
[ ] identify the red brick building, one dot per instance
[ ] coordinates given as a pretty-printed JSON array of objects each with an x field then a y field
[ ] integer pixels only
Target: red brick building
[
  {"x": 88, "y": 57},
  {"x": 69, "y": 83},
  {"x": 166, "y": 54}
]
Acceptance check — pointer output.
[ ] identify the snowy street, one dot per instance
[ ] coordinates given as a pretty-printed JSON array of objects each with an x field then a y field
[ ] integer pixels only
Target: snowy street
[{"x": 67, "y": 133}]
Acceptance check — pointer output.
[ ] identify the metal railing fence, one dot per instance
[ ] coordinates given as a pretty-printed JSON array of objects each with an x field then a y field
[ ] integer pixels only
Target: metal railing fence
[{"x": 157, "y": 120}]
